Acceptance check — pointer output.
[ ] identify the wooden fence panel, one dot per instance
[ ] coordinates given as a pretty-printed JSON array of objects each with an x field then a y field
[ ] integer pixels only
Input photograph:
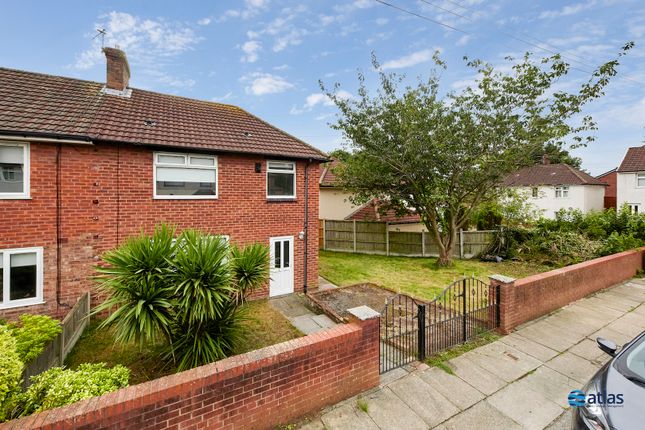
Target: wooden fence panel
[
  {"x": 370, "y": 237},
  {"x": 476, "y": 242},
  {"x": 55, "y": 351},
  {"x": 406, "y": 243},
  {"x": 339, "y": 235}
]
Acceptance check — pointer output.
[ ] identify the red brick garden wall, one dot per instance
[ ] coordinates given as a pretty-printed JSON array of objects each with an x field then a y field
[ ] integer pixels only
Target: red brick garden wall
[
  {"x": 106, "y": 195},
  {"x": 258, "y": 390},
  {"x": 529, "y": 298}
]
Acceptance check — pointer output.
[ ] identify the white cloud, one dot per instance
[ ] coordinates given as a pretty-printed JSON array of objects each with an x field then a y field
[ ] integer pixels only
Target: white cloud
[
  {"x": 382, "y": 21},
  {"x": 251, "y": 49},
  {"x": 265, "y": 83},
  {"x": 319, "y": 99},
  {"x": 282, "y": 67},
  {"x": 294, "y": 37},
  {"x": 409, "y": 60},
  {"x": 145, "y": 41},
  {"x": 350, "y": 6},
  {"x": 567, "y": 10},
  {"x": 463, "y": 40},
  {"x": 204, "y": 21},
  {"x": 220, "y": 99},
  {"x": 327, "y": 19},
  {"x": 251, "y": 8}
]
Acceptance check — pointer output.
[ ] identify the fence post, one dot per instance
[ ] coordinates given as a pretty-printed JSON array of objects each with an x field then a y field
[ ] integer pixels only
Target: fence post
[
  {"x": 324, "y": 235},
  {"x": 387, "y": 238},
  {"x": 461, "y": 243},
  {"x": 354, "y": 225},
  {"x": 61, "y": 351},
  {"x": 464, "y": 308},
  {"x": 423, "y": 243},
  {"x": 421, "y": 338}
]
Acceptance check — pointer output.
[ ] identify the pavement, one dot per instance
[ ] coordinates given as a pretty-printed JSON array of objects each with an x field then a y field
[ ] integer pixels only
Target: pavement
[
  {"x": 520, "y": 381},
  {"x": 296, "y": 309}
]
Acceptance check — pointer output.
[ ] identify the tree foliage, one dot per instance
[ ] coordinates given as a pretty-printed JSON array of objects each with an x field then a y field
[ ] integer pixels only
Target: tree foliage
[{"x": 444, "y": 155}]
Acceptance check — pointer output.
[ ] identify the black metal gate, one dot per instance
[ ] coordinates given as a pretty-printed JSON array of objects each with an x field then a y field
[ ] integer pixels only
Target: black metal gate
[{"x": 413, "y": 330}]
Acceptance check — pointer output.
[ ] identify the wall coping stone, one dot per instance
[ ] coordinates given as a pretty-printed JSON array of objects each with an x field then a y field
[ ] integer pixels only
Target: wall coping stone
[{"x": 501, "y": 278}]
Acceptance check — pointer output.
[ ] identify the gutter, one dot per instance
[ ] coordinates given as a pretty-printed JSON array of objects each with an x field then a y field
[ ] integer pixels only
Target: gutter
[{"x": 45, "y": 137}]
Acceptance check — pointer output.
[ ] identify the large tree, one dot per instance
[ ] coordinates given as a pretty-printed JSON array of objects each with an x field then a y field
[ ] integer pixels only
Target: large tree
[{"x": 443, "y": 155}]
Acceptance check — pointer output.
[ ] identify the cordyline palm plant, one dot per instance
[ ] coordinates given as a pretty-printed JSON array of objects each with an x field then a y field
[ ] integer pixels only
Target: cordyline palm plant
[{"x": 186, "y": 292}]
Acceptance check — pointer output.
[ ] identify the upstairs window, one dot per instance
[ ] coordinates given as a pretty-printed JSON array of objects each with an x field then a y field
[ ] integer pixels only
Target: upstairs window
[
  {"x": 14, "y": 170},
  {"x": 185, "y": 176},
  {"x": 634, "y": 207},
  {"x": 561, "y": 192},
  {"x": 535, "y": 192},
  {"x": 21, "y": 277},
  {"x": 281, "y": 179},
  {"x": 640, "y": 179}
]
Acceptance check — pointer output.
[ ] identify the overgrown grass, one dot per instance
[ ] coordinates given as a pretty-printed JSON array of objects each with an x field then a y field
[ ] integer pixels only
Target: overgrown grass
[
  {"x": 439, "y": 360},
  {"x": 264, "y": 326},
  {"x": 418, "y": 277}
]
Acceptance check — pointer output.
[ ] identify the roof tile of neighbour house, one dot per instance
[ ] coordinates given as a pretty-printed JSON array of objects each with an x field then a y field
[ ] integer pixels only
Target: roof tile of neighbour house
[
  {"x": 34, "y": 103},
  {"x": 370, "y": 212},
  {"x": 327, "y": 176},
  {"x": 634, "y": 160},
  {"x": 550, "y": 174}
]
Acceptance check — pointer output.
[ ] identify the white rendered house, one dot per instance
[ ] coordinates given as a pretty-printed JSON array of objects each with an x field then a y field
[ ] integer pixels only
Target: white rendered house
[
  {"x": 551, "y": 187},
  {"x": 630, "y": 180}
]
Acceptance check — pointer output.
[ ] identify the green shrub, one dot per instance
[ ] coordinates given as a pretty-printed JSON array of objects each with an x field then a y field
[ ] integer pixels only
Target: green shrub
[
  {"x": 58, "y": 387},
  {"x": 32, "y": 335},
  {"x": 10, "y": 373},
  {"x": 618, "y": 243}
]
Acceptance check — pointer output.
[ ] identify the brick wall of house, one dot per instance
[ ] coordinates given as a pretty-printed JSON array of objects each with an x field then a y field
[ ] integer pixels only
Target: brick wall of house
[
  {"x": 531, "y": 297},
  {"x": 611, "y": 189},
  {"x": 258, "y": 390},
  {"x": 106, "y": 195}
]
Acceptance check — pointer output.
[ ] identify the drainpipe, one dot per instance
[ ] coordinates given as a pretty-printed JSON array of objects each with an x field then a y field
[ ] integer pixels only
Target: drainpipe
[
  {"x": 306, "y": 229},
  {"x": 58, "y": 226}
]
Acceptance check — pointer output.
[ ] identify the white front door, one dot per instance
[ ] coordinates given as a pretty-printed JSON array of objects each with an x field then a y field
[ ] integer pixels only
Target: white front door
[{"x": 281, "y": 266}]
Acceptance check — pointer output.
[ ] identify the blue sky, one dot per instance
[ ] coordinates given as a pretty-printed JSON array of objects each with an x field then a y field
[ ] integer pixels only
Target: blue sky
[{"x": 268, "y": 55}]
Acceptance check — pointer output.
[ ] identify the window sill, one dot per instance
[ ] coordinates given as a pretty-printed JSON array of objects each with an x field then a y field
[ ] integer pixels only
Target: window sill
[
  {"x": 9, "y": 197},
  {"x": 21, "y": 305},
  {"x": 184, "y": 198},
  {"x": 281, "y": 199}
]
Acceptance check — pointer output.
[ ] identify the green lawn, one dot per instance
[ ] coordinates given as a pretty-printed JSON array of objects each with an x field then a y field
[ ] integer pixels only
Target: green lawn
[
  {"x": 264, "y": 326},
  {"x": 417, "y": 277}
]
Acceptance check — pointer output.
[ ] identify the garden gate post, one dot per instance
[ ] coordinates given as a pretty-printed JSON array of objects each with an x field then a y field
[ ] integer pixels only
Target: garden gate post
[
  {"x": 421, "y": 318},
  {"x": 464, "y": 296}
]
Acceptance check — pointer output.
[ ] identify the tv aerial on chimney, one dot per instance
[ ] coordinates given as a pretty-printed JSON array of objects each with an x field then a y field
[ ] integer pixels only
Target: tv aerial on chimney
[{"x": 101, "y": 32}]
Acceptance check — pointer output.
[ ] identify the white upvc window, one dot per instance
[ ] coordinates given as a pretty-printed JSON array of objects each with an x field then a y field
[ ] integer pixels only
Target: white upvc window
[
  {"x": 561, "y": 192},
  {"x": 640, "y": 179},
  {"x": 184, "y": 176},
  {"x": 281, "y": 179},
  {"x": 634, "y": 207},
  {"x": 21, "y": 277},
  {"x": 535, "y": 192},
  {"x": 14, "y": 170}
]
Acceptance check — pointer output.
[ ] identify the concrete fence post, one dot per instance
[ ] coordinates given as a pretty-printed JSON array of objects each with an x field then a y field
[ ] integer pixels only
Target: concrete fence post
[
  {"x": 354, "y": 226},
  {"x": 461, "y": 243},
  {"x": 423, "y": 243},
  {"x": 387, "y": 238}
]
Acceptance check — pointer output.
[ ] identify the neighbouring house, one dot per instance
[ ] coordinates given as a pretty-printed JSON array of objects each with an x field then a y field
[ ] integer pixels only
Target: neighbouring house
[
  {"x": 630, "y": 180},
  {"x": 609, "y": 178},
  {"x": 84, "y": 165},
  {"x": 552, "y": 187},
  {"x": 335, "y": 205}
]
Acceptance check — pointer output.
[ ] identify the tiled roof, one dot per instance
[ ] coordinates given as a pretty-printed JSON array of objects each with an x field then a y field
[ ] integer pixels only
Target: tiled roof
[
  {"x": 634, "y": 160},
  {"x": 370, "y": 212},
  {"x": 45, "y": 104},
  {"x": 608, "y": 172},
  {"x": 550, "y": 174},
  {"x": 327, "y": 176}
]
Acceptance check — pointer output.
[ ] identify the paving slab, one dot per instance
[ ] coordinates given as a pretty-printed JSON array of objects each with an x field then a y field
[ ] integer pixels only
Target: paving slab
[
  {"x": 316, "y": 424},
  {"x": 527, "y": 407},
  {"x": 347, "y": 417},
  {"x": 481, "y": 416},
  {"x": 504, "y": 361},
  {"x": 425, "y": 401},
  {"x": 563, "y": 422},
  {"x": 630, "y": 324},
  {"x": 456, "y": 390},
  {"x": 548, "y": 335},
  {"x": 551, "y": 384},
  {"x": 574, "y": 324},
  {"x": 290, "y": 306},
  {"x": 388, "y": 411},
  {"x": 610, "y": 334},
  {"x": 323, "y": 321},
  {"x": 474, "y": 375},
  {"x": 393, "y": 375},
  {"x": 588, "y": 349},
  {"x": 529, "y": 347},
  {"x": 573, "y": 366},
  {"x": 606, "y": 304},
  {"x": 306, "y": 324}
]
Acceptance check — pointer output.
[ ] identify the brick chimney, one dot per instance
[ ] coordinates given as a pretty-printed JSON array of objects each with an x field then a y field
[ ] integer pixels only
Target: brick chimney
[
  {"x": 118, "y": 69},
  {"x": 545, "y": 159}
]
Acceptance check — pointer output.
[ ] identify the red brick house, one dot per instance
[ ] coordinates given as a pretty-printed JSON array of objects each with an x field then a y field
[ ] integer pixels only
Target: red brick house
[
  {"x": 84, "y": 165},
  {"x": 609, "y": 178}
]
